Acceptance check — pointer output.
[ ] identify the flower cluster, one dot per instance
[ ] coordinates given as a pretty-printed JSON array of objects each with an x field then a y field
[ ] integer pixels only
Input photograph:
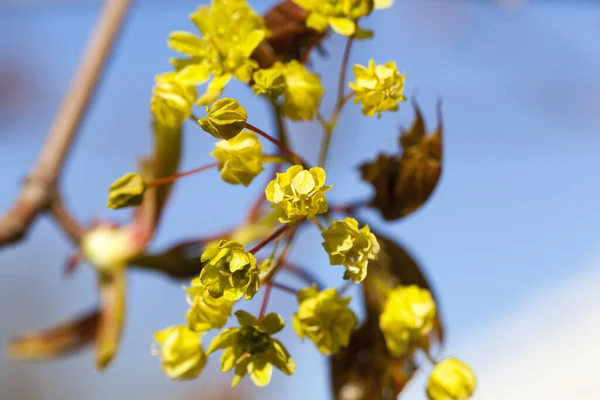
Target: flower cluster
[{"x": 228, "y": 273}]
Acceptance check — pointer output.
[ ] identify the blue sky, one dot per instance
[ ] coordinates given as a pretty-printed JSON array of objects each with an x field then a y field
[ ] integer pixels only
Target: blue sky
[{"x": 514, "y": 212}]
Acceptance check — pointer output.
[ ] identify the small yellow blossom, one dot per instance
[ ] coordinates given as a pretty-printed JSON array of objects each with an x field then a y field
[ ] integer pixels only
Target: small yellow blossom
[
  {"x": 225, "y": 120},
  {"x": 206, "y": 312},
  {"x": 181, "y": 352},
  {"x": 251, "y": 349},
  {"x": 352, "y": 247},
  {"x": 240, "y": 159},
  {"x": 407, "y": 318},
  {"x": 127, "y": 191},
  {"x": 302, "y": 94},
  {"x": 172, "y": 100},
  {"x": 379, "y": 88},
  {"x": 324, "y": 318},
  {"x": 269, "y": 82},
  {"x": 229, "y": 271},
  {"x": 298, "y": 193},
  {"x": 451, "y": 379},
  {"x": 341, "y": 15}
]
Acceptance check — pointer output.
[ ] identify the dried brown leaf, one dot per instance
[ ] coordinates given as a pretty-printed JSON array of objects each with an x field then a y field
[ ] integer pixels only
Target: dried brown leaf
[
  {"x": 404, "y": 182},
  {"x": 59, "y": 340},
  {"x": 290, "y": 39}
]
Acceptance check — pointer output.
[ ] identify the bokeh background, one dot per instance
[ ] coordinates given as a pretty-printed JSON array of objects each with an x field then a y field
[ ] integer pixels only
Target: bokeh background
[{"x": 509, "y": 238}]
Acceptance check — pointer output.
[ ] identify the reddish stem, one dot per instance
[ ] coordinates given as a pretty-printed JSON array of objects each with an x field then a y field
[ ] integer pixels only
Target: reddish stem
[
  {"x": 263, "y": 307},
  {"x": 275, "y": 142},
  {"x": 268, "y": 240},
  {"x": 168, "y": 179}
]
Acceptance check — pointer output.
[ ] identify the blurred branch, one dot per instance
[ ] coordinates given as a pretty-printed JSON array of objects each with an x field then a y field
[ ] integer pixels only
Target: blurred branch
[{"x": 39, "y": 192}]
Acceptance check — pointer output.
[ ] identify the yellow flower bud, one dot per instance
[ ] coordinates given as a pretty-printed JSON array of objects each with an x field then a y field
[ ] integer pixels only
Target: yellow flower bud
[
  {"x": 351, "y": 247},
  {"x": 240, "y": 158},
  {"x": 225, "y": 119},
  {"x": 109, "y": 248},
  {"x": 206, "y": 312},
  {"x": 324, "y": 318},
  {"x": 181, "y": 352},
  {"x": 298, "y": 193},
  {"x": 379, "y": 88},
  {"x": 407, "y": 318},
  {"x": 451, "y": 379},
  {"x": 127, "y": 191},
  {"x": 172, "y": 100}
]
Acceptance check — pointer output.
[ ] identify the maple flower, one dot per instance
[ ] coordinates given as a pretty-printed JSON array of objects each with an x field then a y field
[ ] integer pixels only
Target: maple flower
[
  {"x": 181, "y": 353},
  {"x": 205, "y": 312},
  {"x": 298, "y": 193},
  {"x": 407, "y": 318},
  {"x": 378, "y": 88},
  {"x": 352, "y": 247},
  {"x": 172, "y": 99},
  {"x": 324, "y": 318},
  {"x": 451, "y": 379},
  {"x": 229, "y": 271},
  {"x": 240, "y": 159},
  {"x": 251, "y": 349}
]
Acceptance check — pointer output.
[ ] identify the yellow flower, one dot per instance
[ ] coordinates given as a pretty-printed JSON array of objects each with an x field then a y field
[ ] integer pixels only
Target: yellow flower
[
  {"x": 351, "y": 247},
  {"x": 229, "y": 271},
  {"x": 109, "y": 248},
  {"x": 451, "y": 379},
  {"x": 206, "y": 312},
  {"x": 379, "y": 88},
  {"x": 127, "y": 191},
  {"x": 269, "y": 82},
  {"x": 225, "y": 120},
  {"x": 251, "y": 349},
  {"x": 324, "y": 318},
  {"x": 298, "y": 193},
  {"x": 407, "y": 318},
  {"x": 341, "y": 15},
  {"x": 302, "y": 94},
  {"x": 231, "y": 31},
  {"x": 240, "y": 159},
  {"x": 180, "y": 352},
  {"x": 172, "y": 100}
]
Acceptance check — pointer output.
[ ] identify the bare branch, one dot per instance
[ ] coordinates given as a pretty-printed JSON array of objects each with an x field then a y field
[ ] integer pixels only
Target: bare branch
[{"x": 39, "y": 191}]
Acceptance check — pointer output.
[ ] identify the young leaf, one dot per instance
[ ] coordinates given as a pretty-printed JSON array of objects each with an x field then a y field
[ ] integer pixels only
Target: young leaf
[
  {"x": 112, "y": 315},
  {"x": 59, "y": 340},
  {"x": 404, "y": 182}
]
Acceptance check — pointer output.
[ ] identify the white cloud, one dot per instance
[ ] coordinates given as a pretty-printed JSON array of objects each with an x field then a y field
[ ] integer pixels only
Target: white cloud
[{"x": 546, "y": 348}]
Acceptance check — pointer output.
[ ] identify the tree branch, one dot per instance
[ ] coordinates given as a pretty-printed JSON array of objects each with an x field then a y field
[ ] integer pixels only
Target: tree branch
[{"x": 39, "y": 191}]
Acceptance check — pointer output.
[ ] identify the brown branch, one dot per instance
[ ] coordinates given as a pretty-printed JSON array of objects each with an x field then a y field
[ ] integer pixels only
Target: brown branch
[{"x": 39, "y": 191}]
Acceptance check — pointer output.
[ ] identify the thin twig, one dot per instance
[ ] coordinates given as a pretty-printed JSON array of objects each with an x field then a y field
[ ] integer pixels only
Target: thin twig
[
  {"x": 39, "y": 189},
  {"x": 329, "y": 126}
]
